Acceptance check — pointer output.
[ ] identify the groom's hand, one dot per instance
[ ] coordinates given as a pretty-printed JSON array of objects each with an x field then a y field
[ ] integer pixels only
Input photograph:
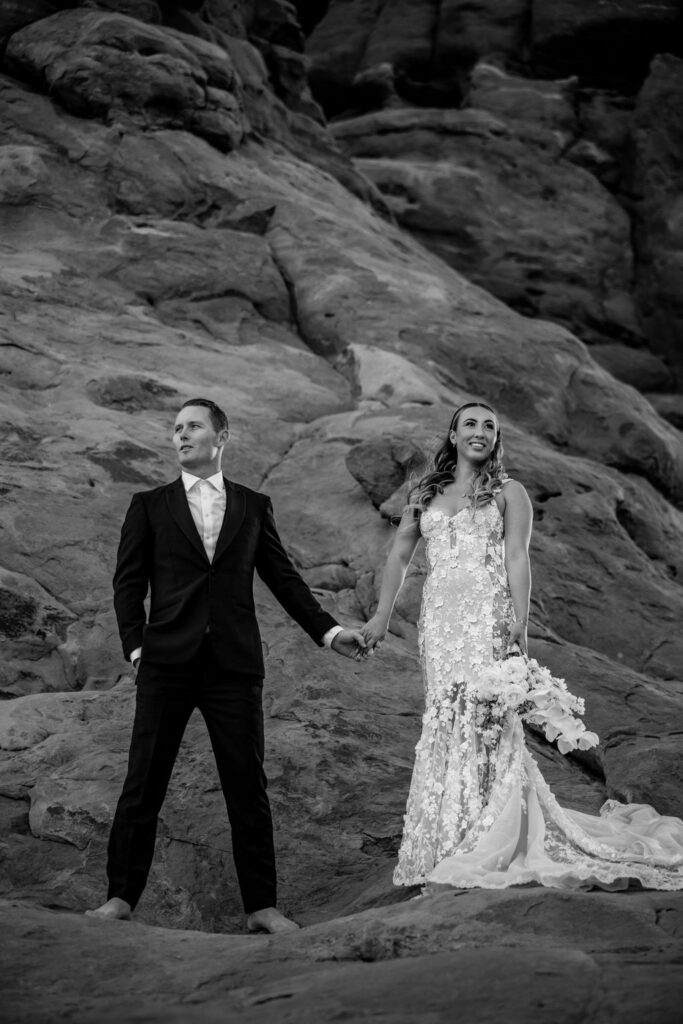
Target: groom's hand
[{"x": 350, "y": 643}]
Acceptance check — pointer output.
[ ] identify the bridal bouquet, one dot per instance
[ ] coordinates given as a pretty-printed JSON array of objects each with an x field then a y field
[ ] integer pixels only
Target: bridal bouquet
[{"x": 521, "y": 685}]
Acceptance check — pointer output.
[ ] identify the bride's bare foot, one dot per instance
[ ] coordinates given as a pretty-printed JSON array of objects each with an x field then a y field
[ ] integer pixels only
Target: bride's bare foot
[
  {"x": 114, "y": 909},
  {"x": 270, "y": 920}
]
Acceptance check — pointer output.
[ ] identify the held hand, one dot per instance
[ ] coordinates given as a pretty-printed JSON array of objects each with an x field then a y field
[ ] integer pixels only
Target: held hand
[
  {"x": 350, "y": 643},
  {"x": 374, "y": 631},
  {"x": 518, "y": 637}
]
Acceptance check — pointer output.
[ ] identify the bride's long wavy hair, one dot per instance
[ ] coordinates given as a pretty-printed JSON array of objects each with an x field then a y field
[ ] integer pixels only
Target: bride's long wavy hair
[{"x": 487, "y": 483}]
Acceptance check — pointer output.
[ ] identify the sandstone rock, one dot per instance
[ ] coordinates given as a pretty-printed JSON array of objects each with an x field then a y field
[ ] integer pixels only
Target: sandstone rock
[
  {"x": 112, "y": 66},
  {"x": 376, "y": 87},
  {"x": 657, "y": 131},
  {"x": 290, "y": 74},
  {"x": 34, "y": 626},
  {"x": 429, "y": 50},
  {"x": 213, "y": 59},
  {"x": 143, "y": 10},
  {"x": 669, "y": 407},
  {"x": 546, "y": 104},
  {"x": 435, "y": 47},
  {"x": 356, "y": 43},
  {"x": 605, "y": 118},
  {"x": 638, "y": 367},
  {"x": 381, "y": 466},
  {"x": 484, "y": 28},
  {"x": 166, "y": 172},
  {"x": 23, "y": 175},
  {"x": 180, "y": 261},
  {"x": 490, "y": 196},
  {"x": 276, "y": 21},
  {"x": 571, "y": 36},
  {"x": 386, "y": 377},
  {"x": 71, "y": 811},
  {"x": 599, "y": 162},
  {"x": 372, "y": 295},
  {"x": 148, "y": 174},
  {"x": 274, "y": 28},
  {"x": 14, "y": 14},
  {"x": 32, "y": 719},
  {"x": 337, "y": 45},
  {"x": 228, "y": 16},
  {"x": 605, "y": 122},
  {"x": 133, "y": 394},
  {"x": 552, "y": 955}
]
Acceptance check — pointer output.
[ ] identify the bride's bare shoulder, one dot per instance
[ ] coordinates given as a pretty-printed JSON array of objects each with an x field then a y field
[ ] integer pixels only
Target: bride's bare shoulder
[
  {"x": 513, "y": 488},
  {"x": 512, "y": 493}
]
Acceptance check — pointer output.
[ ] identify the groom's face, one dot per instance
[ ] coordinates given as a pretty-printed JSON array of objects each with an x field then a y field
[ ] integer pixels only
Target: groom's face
[{"x": 196, "y": 441}]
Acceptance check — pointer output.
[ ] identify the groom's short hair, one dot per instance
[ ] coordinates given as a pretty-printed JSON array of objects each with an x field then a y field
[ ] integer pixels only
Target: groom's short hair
[{"x": 219, "y": 420}]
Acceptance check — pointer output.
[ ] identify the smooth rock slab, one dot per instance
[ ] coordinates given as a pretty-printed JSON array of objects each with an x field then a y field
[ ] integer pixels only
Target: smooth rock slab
[{"x": 530, "y": 956}]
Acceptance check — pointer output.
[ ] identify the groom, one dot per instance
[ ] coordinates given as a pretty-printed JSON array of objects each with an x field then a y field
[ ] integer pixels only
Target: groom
[{"x": 194, "y": 544}]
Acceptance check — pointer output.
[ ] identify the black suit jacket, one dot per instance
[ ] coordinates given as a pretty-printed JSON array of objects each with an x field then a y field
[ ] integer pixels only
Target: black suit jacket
[{"x": 161, "y": 551}]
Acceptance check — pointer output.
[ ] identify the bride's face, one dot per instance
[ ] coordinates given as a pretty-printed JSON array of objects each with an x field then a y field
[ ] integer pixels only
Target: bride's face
[{"x": 475, "y": 434}]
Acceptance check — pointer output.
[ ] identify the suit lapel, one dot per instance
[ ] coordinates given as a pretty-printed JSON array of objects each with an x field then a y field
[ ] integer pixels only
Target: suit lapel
[
  {"x": 235, "y": 508},
  {"x": 180, "y": 510}
]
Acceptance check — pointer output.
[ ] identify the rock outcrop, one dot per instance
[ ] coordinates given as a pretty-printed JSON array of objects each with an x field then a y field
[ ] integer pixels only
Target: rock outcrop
[
  {"x": 493, "y": 197},
  {"x": 432, "y": 46},
  {"x": 657, "y": 135},
  {"x": 542, "y": 179},
  {"x": 147, "y": 258},
  {"x": 517, "y": 955}
]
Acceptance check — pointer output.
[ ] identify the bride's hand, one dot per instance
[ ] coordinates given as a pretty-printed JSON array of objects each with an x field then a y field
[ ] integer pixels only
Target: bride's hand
[
  {"x": 518, "y": 637},
  {"x": 374, "y": 631}
]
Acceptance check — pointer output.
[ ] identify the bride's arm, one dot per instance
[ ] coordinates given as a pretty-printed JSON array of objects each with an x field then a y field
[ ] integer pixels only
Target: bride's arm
[
  {"x": 518, "y": 521},
  {"x": 402, "y": 551}
]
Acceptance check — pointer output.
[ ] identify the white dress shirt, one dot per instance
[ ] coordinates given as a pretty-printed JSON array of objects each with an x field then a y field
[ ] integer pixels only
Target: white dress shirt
[{"x": 207, "y": 501}]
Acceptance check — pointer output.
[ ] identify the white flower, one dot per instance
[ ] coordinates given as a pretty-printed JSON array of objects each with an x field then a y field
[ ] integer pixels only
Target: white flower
[
  {"x": 522, "y": 685},
  {"x": 588, "y": 740},
  {"x": 517, "y": 671},
  {"x": 516, "y": 693}
]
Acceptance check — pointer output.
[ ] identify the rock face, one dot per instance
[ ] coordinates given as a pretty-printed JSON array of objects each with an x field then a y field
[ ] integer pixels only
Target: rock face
[
  {"x": 574, "y": 33},
  {"x": 146, "y": 259},
  {"x": 519, "y": 955},
  {"x": 489, "y": 194},
  {"x": 112, "y": 66},
  {"x": 657, "y": 133},
  {"x": 543, "y": 182},
  {"x": 432, "y": 44}
]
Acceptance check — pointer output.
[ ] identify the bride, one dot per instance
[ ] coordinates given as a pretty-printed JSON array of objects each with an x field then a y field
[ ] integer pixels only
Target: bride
[{"x": 479, "y": 813}]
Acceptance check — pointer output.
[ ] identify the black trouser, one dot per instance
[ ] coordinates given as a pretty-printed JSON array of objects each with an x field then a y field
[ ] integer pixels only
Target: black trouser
[{"x": 231, "y": 705}]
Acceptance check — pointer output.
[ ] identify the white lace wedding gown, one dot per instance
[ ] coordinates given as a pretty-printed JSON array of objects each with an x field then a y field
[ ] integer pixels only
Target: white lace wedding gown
[{"x": 486, "y": 818}]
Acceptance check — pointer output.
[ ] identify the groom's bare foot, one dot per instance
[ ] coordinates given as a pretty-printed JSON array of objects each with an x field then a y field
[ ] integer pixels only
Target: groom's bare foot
[
  {"x": 114, "y": 909},
  {"x": 270, "y": 920}
]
